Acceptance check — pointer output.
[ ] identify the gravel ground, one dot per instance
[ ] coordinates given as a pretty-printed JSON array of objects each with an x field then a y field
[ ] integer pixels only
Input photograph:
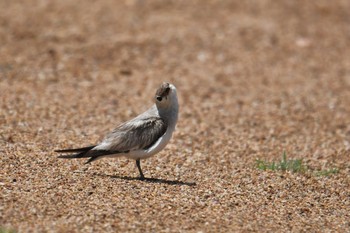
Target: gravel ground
[{"x": 254, "y": 78}]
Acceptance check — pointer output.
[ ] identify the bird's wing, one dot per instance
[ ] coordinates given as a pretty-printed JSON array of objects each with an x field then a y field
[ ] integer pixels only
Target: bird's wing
[{"x": 139, "y": 133}]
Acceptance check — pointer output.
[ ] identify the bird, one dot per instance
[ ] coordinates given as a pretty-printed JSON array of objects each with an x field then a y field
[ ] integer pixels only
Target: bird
[{"x": 139, "y": 138}]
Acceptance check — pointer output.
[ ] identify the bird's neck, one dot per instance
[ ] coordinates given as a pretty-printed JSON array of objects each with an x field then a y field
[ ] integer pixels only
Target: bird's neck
[{"x": 170, "y": 115}]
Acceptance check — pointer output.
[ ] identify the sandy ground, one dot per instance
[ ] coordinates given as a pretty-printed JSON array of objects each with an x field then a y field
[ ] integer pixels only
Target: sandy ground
[{"x": 254, "y": 78}]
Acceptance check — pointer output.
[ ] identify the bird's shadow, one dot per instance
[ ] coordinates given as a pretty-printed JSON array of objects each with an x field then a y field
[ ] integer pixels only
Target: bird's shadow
[{"x": 150, "y": 180}]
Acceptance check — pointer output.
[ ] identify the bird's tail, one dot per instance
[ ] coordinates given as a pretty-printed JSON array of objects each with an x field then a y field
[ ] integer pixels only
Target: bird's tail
[
  {"x": 78, "y": 153},
  {"x": 85, "y": 152}
]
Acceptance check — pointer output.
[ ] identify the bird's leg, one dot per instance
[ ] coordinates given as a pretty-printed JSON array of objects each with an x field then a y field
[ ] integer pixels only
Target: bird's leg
[{"x": 138, "y": 164}]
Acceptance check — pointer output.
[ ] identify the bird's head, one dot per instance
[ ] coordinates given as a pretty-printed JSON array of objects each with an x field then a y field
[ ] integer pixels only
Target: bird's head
[{"x": 166, "y": 96}]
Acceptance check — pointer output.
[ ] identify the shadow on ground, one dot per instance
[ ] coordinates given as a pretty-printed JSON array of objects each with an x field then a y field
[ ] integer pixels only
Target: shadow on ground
[{"x": 150, "y": 180}]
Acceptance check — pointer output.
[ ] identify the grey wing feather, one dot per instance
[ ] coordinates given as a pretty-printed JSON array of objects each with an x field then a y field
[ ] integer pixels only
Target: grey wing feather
[{"x": 139, "y": 133}]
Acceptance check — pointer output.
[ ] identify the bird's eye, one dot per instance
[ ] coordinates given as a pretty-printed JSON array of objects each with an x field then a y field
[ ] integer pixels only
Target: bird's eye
[{"x": 159, "y": 98}]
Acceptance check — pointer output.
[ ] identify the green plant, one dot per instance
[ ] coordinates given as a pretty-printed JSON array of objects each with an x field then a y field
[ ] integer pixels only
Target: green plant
[
  {"x": 327, "y": 172},
  {"x": 6, "y": 230},
  {"x": 293, "y": 165}
]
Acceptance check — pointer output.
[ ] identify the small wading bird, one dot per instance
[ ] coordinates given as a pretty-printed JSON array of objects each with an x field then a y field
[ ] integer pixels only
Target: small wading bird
[{"x": 139, "y": 138}]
